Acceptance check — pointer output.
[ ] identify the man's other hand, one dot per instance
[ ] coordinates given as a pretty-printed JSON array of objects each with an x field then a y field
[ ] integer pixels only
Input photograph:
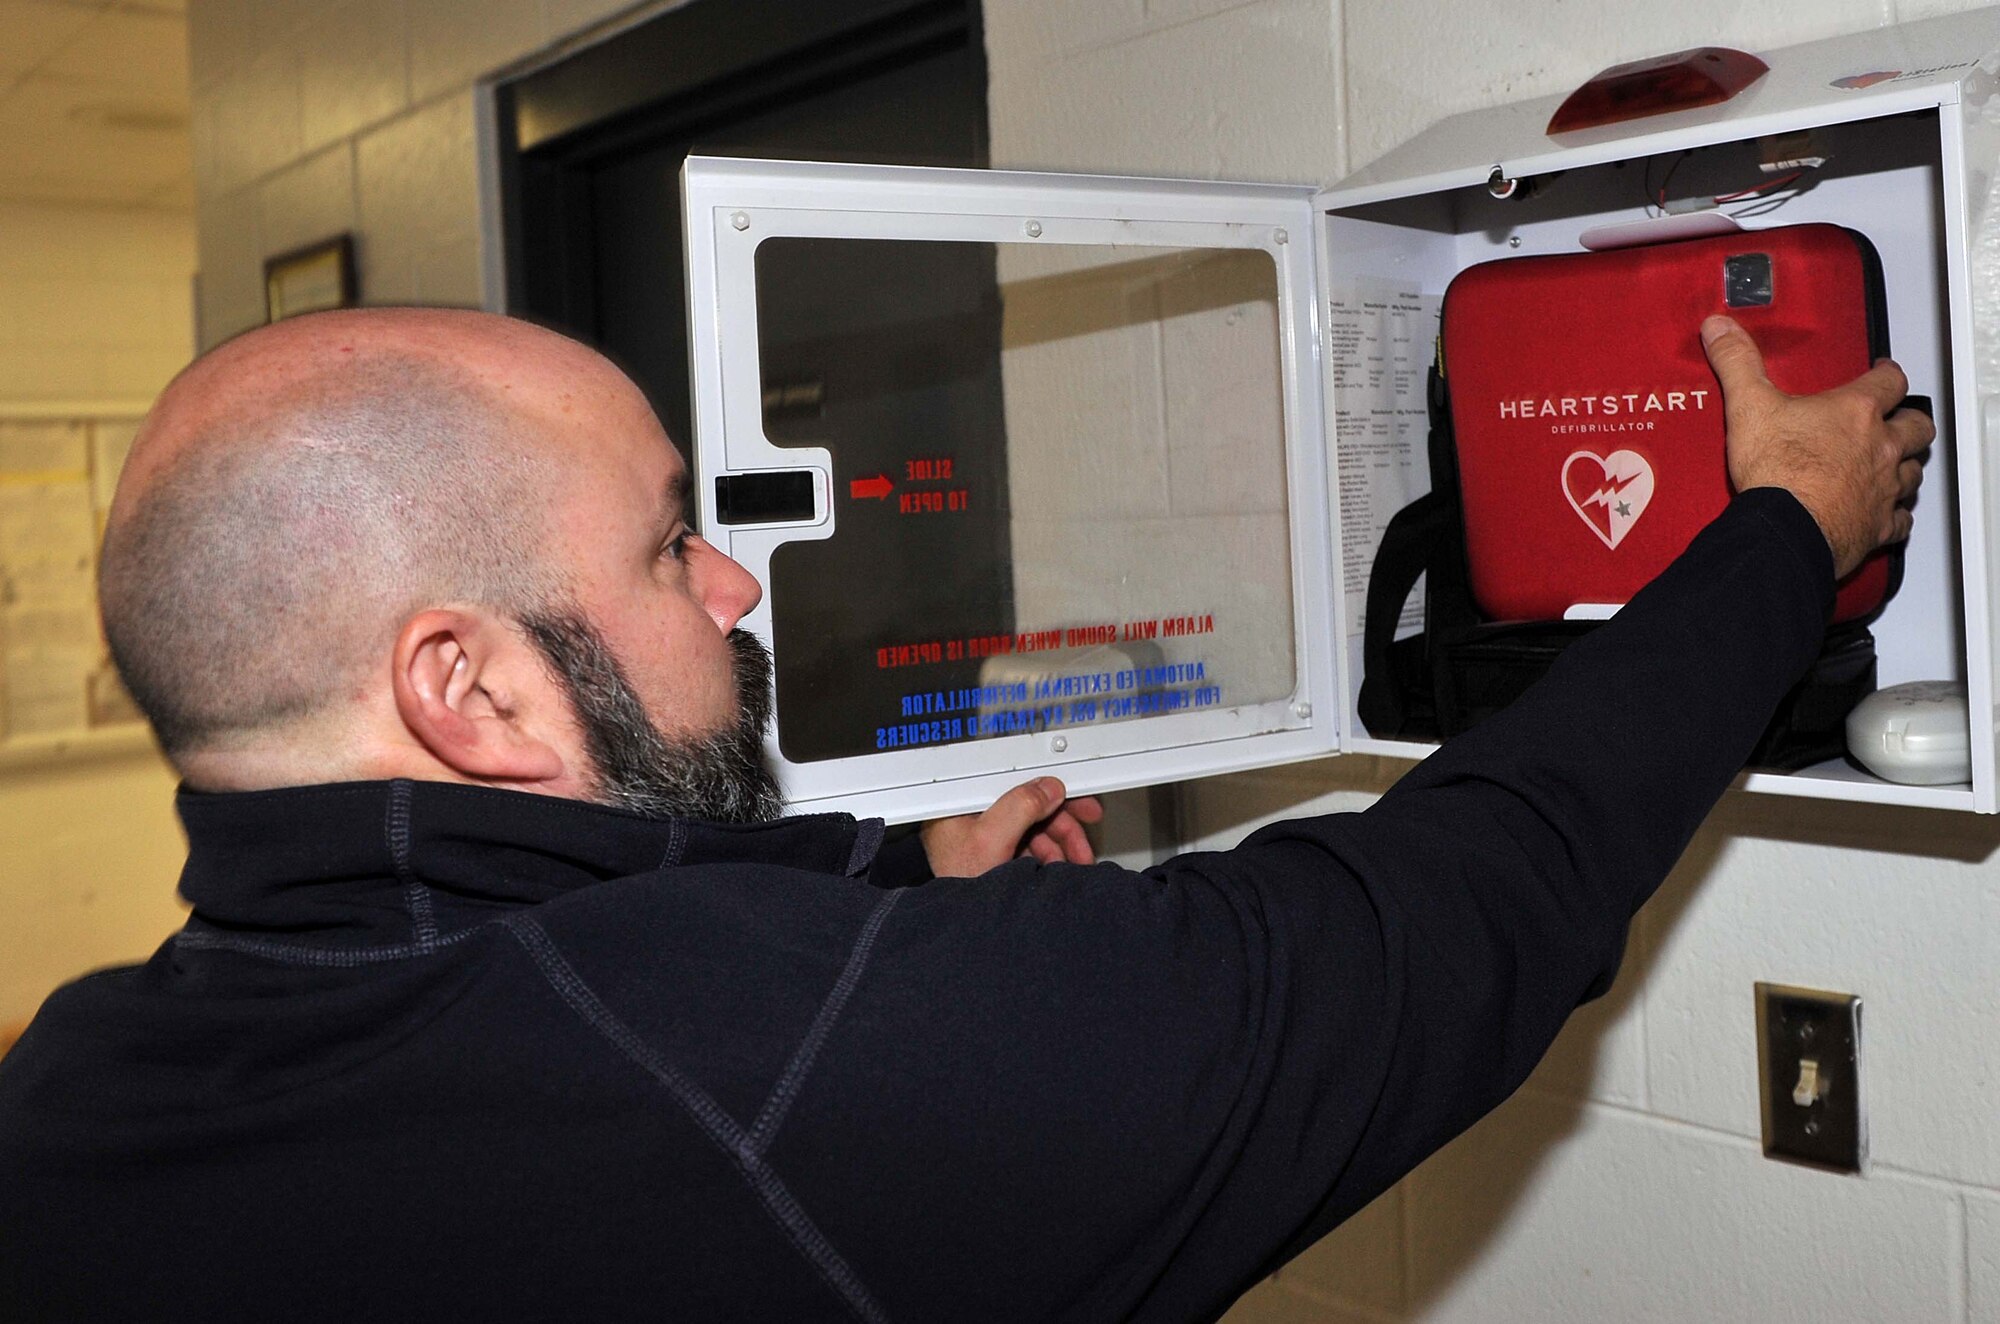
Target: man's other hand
[
  {"x": 1848, "y": 460},
  {"x": 1035, "y": 818}
]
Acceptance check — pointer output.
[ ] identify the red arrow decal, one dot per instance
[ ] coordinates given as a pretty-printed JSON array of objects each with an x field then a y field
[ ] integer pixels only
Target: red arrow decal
[{"x": 877, "y": 487}]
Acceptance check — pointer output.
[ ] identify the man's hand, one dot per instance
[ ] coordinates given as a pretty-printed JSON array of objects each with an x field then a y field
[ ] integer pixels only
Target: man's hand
[
  {"x": 1848, "y": 465},
  {"x": 1032, "y": 819}
]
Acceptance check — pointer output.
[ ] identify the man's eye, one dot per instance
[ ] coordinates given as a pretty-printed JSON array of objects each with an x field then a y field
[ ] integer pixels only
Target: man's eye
[{"x": 676, "y": 548}]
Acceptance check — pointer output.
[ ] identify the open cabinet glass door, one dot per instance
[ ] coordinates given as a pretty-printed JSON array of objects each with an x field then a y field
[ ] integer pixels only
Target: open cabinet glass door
[{"x": 1032, "y": 469}]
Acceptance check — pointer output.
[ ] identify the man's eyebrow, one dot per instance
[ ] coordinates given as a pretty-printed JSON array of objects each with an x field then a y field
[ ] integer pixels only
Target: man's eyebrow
[{"x": 674, "y": 503}]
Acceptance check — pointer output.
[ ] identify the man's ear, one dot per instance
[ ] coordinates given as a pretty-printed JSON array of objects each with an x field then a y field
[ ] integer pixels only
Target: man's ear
[{"x": 462, "y": 682}]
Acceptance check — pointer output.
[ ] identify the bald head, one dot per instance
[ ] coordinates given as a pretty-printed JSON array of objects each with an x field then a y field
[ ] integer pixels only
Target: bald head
[{"x": 298, "y": 492}]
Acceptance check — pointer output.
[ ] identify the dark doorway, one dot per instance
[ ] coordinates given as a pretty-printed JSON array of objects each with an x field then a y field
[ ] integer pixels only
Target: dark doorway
[
  {"x": 592, "y": 147},
  {"x": 591, "y": 152}
]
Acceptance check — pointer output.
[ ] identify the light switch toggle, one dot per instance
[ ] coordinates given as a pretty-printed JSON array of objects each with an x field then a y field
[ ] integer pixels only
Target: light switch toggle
[{"x": 1810, "y": 1089}]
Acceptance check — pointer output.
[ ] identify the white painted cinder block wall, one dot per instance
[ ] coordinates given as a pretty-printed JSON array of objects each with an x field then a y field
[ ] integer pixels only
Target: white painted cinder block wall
[{"x": 1624, "y": 1182}]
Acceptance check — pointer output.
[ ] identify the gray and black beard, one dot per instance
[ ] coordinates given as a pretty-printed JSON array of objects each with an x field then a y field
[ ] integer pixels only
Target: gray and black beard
[{"x": 719, "y": 778}]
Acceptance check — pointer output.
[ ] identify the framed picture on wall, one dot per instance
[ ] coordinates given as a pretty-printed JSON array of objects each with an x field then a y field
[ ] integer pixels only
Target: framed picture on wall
[{"x": 309, "y": 279}]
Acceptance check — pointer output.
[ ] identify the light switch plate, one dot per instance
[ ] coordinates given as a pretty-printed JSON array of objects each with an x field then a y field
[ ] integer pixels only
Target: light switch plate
[{"x": 1809, "y": 1077}]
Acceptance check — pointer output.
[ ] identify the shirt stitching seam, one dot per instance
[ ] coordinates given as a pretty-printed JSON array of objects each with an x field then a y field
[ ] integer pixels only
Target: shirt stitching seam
[
  {"x": 772, "y": 1115},
  {"x": 299, "y": 954},
  {"x": 396, "y": 831},
  {"x": 777, "y": 1199}
]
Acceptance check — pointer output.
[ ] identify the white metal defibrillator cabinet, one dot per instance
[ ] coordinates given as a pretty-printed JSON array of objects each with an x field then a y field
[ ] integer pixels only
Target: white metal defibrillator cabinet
[{"x": 1084, "y": 475}]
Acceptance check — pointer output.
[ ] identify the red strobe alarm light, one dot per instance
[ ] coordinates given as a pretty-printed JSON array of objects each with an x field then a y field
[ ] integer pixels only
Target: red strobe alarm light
[{"x": 1680, "y": 81}]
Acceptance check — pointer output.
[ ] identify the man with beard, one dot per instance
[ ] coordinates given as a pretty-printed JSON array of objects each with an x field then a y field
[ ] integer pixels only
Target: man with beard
[{"x": 507, "y": 995}]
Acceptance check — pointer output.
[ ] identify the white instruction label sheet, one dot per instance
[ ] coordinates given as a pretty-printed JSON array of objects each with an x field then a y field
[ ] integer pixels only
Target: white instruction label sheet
[{"x": 1383, "y": 337}]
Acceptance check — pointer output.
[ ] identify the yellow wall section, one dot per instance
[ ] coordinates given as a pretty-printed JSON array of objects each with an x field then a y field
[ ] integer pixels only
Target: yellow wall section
[
  {"x": 94, "y": 305},
  {"x": 89, "y": 856}
]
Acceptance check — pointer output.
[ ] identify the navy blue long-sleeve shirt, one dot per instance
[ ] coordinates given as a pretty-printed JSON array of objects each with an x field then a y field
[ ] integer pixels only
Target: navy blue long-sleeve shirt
[{"x": 429, "y": 1051}]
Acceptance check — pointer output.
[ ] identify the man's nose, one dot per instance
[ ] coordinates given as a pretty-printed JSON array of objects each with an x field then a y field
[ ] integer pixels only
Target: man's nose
[{"x": 727, "y": 590}]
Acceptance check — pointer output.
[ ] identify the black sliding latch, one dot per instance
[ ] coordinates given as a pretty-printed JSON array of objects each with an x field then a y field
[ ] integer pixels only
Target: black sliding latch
[{"x": 779, "y": 496}]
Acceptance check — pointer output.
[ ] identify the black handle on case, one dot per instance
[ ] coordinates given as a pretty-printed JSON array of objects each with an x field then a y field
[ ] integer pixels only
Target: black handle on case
[
  {"x": 1393, "y": 680},
  {"x": 1408, "y": 546}
]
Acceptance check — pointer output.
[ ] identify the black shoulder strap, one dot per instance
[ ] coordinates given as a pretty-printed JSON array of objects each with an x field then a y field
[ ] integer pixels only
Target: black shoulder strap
[
  {"x": 1390, "y": 677},
  {"x": 1396, "y": 677}
]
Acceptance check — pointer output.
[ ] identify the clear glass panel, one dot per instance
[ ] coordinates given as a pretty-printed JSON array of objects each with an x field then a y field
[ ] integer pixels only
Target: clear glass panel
[{"x": 1059, "y": 487}]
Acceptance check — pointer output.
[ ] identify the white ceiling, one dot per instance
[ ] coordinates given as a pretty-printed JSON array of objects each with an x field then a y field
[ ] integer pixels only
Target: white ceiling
[{"x": 94, "y": 103}]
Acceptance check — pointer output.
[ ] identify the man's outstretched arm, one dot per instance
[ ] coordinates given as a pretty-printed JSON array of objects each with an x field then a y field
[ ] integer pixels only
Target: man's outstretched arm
[
  {"x": 1506, "y": 867},
  {"x": 1163, "y": 1084}
]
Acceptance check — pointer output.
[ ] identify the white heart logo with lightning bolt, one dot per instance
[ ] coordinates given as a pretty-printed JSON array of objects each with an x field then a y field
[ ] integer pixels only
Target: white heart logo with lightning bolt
[{"x": 1608, "y": 492}]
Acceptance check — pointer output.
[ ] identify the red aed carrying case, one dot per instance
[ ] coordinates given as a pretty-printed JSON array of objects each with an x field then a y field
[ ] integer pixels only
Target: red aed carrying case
[
  {"x": 1577, "y": 447},
  {"x": 1588, "y": 424}
]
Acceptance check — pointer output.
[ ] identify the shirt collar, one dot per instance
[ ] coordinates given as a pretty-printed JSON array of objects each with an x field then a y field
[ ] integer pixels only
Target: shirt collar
[{"x": 345, "y": 856}]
